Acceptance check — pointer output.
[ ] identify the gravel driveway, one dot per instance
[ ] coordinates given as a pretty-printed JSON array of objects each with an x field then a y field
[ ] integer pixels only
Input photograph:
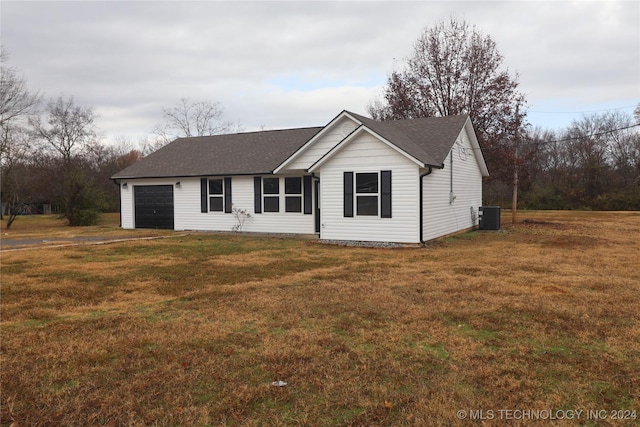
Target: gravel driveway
[{"x": 21, "y": 244}]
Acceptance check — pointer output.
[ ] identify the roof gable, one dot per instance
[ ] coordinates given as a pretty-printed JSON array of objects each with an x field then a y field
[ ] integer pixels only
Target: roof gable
[
  {"x": 352, "y": 136},
  {"x": 428, "y": 139},
  {"x": 327, "y": 129}
]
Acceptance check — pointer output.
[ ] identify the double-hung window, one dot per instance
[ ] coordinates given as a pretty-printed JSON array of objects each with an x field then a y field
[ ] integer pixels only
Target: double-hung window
[
  {"x": 297, "y": 196},
  {"x": 216, "y": 195},
  {"x": 293, "y": 194},
  {"x": 271, "y": 191},
  {"x": 369, "y": 191},
  {"x": 367, "y": 194}
]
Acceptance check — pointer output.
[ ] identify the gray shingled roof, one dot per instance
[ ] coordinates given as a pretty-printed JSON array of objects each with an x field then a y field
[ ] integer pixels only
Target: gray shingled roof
[
  {"x": 234, "y": 154},
  {"x": 427, "y": 139}
]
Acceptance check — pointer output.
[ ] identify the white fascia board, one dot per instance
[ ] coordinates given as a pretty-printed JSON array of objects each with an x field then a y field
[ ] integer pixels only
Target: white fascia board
[
  {"x": 359, "y": 130},
  {"x": 316, "y": 137},
  {"x": 468, "y": 126}
]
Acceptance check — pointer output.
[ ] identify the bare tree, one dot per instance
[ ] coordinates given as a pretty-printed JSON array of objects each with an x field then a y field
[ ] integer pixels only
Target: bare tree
[
  {"x": 69, "y": 129},
  {"x": 16, "y": 194},
  {"x": 109, "y": 160},
  {"x": 16, "y": 101},
  {"x": 192, "y": 118},
  {"x": 150, "y": 143},
  {"x": 17, "y": 104}
]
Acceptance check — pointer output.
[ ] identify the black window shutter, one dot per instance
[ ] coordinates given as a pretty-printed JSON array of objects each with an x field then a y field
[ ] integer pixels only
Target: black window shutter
[
  {"x": 348, "y": 194},
  {"x": 203, "y": 195},
  {"x": 227, "y": 195},
  {"x": 257, "y": 194},
  {"x": 308, "y": 199},
  {"x": 385, "y": 194}
]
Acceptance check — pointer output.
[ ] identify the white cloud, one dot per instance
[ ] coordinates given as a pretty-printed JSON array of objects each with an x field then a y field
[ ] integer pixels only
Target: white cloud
[{"x": 287, "y": 64}]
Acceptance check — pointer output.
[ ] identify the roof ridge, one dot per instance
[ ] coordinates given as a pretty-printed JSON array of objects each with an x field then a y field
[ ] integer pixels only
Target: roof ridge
[{"x": 251, "y": 132}]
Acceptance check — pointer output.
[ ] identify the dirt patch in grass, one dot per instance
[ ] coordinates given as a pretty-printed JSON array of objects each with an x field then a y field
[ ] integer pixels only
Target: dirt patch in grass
[{"x": 193, "y": 330}]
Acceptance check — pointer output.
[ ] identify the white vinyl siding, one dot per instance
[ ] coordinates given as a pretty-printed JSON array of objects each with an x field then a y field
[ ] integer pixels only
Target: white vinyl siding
[
  {"x": 366, "y": 154},
  {"x": 187, "y": 215},
  {"x": 320, "y": 147},
  {"x": 440, "y": 216}
]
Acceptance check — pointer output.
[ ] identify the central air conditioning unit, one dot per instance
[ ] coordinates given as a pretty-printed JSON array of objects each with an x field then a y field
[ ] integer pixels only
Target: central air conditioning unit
[{"x": 490, "y": 218}]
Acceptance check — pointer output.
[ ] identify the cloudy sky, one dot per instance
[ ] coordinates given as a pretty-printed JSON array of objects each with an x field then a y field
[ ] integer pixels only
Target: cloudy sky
[{"x": 296, "y": 64}]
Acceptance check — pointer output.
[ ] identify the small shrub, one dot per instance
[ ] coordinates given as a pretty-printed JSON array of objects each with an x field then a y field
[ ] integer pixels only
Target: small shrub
[
  {"x": 83, "y": 217},
  {"x": 241, "y": 215}
]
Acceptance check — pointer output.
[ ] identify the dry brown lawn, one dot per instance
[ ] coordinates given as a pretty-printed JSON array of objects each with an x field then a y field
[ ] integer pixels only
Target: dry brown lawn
[{"x": 192, "y": 330}]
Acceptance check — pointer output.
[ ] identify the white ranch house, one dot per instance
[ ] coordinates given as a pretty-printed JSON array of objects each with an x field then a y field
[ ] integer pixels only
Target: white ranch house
[{"x": 355, "y": 179}]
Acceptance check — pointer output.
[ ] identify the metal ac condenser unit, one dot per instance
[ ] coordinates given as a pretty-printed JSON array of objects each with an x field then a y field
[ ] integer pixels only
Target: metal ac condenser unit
[{"x": 489, "y": 217}]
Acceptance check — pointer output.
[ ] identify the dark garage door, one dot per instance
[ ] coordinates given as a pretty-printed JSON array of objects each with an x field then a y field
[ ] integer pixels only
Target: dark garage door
[{"x": 154, "y": 206}]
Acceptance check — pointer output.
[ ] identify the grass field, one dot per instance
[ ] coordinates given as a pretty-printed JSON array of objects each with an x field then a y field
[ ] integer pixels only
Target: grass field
[{"x": 192, "y": 330}]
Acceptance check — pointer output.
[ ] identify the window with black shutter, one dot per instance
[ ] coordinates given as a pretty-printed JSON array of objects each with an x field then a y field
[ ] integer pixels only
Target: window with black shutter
[
  {"x": 271, "y": 191},
  {"x": 370, "y": 192},
  {"x": 215, "y": 195},
  {"x": 293, "y": 194}
]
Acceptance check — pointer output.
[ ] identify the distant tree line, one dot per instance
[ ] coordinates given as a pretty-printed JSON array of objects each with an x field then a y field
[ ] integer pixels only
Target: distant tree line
[
  {"x": 51, "y": 154},
  {"x": 593, "y": 164},
  {"x": 52, "y": 158}
]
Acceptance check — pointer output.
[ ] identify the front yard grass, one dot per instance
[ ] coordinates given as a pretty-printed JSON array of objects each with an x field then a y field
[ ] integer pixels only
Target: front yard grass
[{"x": 193, "y": 330}]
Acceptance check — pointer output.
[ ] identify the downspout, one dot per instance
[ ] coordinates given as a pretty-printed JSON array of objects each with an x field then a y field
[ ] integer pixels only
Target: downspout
[
  {"x": 452, "y": 196},
  {"x": 422, "y": 204}
]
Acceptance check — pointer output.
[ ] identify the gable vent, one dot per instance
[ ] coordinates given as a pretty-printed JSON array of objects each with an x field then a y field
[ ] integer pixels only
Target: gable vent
[{"x": 347, "y": 128}]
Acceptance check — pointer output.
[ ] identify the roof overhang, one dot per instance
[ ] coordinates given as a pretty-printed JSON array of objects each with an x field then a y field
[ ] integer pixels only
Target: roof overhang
[{"x": 198, "y": 175}]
